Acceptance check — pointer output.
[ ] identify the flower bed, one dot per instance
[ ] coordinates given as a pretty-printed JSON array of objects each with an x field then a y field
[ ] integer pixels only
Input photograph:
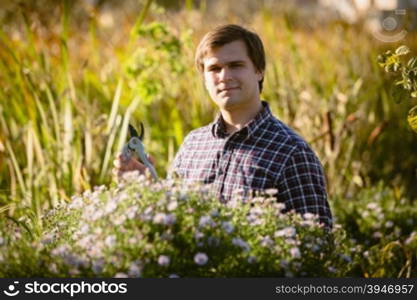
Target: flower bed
[{"x": 164, "y": 229}]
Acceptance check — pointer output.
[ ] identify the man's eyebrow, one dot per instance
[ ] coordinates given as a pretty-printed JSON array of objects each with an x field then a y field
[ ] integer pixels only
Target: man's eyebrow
[{"x": 233, "y": 62}]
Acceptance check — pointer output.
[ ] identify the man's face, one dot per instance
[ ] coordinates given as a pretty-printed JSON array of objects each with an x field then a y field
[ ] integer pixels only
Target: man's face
[{"x": 230, "y": 76}]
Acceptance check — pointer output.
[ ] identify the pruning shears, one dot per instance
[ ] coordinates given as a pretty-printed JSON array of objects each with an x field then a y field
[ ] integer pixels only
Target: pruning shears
[{"x": 135, "y": 147}]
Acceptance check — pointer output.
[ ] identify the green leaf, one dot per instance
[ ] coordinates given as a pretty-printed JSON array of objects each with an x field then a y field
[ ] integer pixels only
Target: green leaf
[
  {"x": 398, "y": 93},
  {"x": 412, "y": 118}
]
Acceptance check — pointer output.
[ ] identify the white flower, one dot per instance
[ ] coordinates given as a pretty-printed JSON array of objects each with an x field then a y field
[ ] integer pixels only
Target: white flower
[
  {"x": 241, "y": 243},
  {"x": 159, "y": 218},
  {"x": 53, "y": 268},
  {"x": 256, "y": 211},
  {"x": 98, "y": 230},
  {"x": 284, "y": 263},
  {"x": 198, "y": 235},
  {"x": 110, "y": 206},
  {"x": 346, "y": 258},
  {"x": 98, "y": 266},
  {"x": 163, "y": 260},
  {"x": 309, "y": 216},
  {"x": 97, "y": 215},
  {"x": 110, "y": 241},
  {"x": 271, "y": 192},
  {"x": 173, "y": 276},
  {"x": 170, "y": 219},
  {"x": 135, "y": 270},
  {"x": 73, "y": 260},
  {"x": 332, "y": 269},
  {"x": 200, "y": 258},
  {"x": 120, "y": 275},
  {"x": 76, "y": 202},
  {"x": 252, "y": 218},
  {"x": 389, "y": 224},
  {"x": 267, "y": 241},
  {"x": 372, "y": 206},
  {"x": 228, "y": 227},
  {"x": 206, "y": 221},
  {"x": 133, "y": 240},
  {"x": 172, "y": 205},
  {"x": 60, "y": 250},
  {"x": 295, "y": 252},
  {"x": 131, "y": 176},
  {"x": 377, "y": 235},
  {"x": 119, "y": 220},
  {"x": 232, "y": 203},
  {"x": 131, "y": 212},
  {"x": 286, "y": 232},
  {"x": 279, "y": 206},
  {"x": 148, "y": 210},
  {"x": 411, "y": 238},
  {"x": 84, "y": 242},
  {"x": 49, "y": 238}
]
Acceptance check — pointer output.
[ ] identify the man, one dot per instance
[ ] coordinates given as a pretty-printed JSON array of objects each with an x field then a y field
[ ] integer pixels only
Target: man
[{"x": 246, "y": 149}]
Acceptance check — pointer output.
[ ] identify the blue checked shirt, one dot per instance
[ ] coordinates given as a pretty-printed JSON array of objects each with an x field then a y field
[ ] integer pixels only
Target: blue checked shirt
[{"x": 265, "y": 154}]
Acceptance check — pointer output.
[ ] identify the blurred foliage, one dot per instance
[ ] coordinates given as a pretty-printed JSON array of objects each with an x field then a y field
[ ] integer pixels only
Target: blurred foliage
[
  {"x": 406, "y": 73},
  {"x": 383, "y": 222}
]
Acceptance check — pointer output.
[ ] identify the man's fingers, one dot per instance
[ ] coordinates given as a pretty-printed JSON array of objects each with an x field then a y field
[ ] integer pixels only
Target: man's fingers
[
  {"x": 116, "y": 163},
  {"x": 151, "y": 159},
  {"x": 132, "y": 165}
]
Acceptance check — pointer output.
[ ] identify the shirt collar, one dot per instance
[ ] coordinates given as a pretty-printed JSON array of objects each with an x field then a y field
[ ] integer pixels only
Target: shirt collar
[{"x": 218, "y": 128}]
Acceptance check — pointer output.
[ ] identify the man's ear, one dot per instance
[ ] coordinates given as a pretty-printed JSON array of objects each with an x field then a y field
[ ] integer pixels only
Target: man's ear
[{"x": 260, "y": 75}]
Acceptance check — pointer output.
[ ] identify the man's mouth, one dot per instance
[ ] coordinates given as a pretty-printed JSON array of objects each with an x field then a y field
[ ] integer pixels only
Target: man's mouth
[{"x": 227, "y": 89}]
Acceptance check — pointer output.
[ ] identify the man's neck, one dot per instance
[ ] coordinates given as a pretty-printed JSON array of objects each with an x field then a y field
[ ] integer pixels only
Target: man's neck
[{"x": 238, "y": 118}]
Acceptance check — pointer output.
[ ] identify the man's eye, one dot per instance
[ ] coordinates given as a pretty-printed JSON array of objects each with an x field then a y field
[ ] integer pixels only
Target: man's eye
[{"x": 214, "y": 69}]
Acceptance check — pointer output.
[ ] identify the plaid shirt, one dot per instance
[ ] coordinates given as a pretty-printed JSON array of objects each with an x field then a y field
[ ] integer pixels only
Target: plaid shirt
[{"x": 265, "y": 154}]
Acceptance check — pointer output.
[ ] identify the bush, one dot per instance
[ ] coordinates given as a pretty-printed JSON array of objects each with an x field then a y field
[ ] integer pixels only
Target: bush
[
  {"x": 144, "y": 229},
  {"x": 383, "y": 223}
]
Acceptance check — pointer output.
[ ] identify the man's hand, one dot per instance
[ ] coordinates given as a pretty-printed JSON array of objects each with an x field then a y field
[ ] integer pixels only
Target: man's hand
[{"x": 123, "y": 165}]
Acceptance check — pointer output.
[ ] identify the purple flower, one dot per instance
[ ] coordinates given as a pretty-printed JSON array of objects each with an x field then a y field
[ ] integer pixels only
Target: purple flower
[{"x": 200, "y": 258}]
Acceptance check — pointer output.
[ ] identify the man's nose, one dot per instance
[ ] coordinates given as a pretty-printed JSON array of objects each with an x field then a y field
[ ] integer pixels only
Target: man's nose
[{"x": 225, "y": 74}]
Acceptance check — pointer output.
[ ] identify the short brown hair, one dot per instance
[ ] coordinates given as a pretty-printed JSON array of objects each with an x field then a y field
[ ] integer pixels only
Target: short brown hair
[{"x": 225, "y": 34}]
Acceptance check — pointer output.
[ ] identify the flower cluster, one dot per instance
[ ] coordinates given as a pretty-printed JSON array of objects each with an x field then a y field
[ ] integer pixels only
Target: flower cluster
[{"x": 165, "y": 229}]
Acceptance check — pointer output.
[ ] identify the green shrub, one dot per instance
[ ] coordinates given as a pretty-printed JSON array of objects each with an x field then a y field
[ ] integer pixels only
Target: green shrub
[
  {"x": 383, "y": 223},
  {"x": 145, "y": 229}
]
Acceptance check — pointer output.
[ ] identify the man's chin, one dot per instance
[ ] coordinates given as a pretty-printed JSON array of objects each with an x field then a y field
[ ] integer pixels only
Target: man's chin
[{"x": 227, "y": 102}]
